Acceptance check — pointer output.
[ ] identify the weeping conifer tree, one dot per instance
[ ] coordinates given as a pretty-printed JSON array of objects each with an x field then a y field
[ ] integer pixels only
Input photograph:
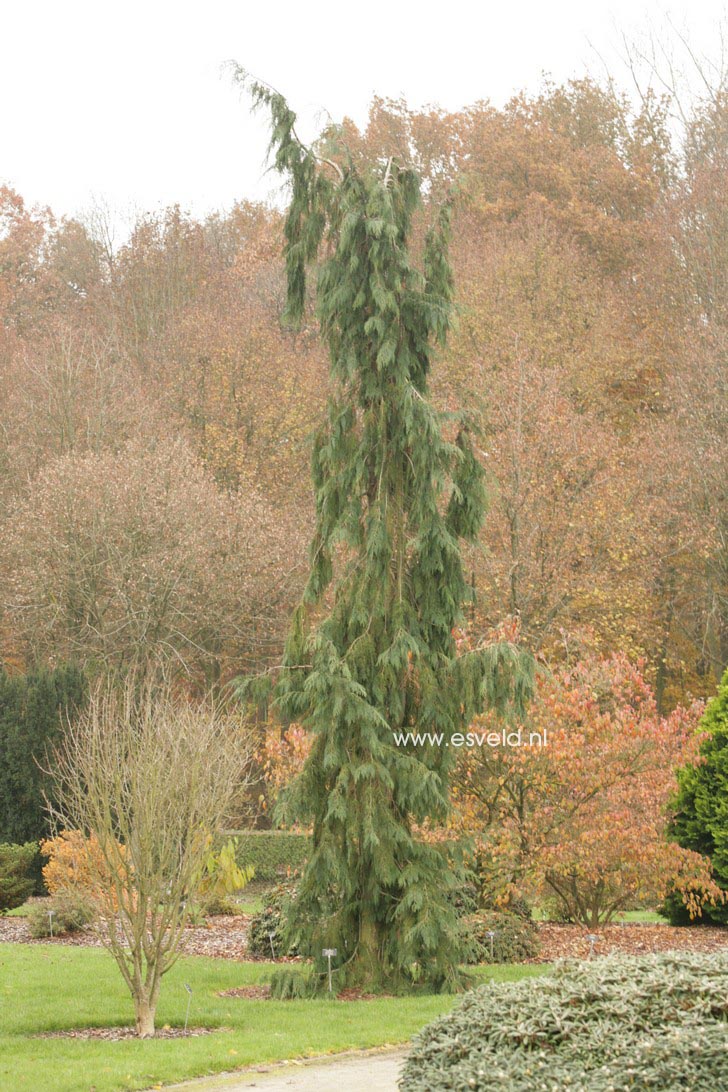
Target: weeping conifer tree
[{"x": 371, "y": 651}]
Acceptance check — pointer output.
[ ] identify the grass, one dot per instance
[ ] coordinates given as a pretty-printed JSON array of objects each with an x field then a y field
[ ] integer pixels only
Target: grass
[
  {"x": 250, "y": 903},
  {"x": 650, "y": 917},
  {"x": 49, "y": 987}
]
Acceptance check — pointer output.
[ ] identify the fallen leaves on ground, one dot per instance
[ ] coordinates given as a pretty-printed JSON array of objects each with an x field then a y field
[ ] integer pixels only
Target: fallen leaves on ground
[{"x": 634, "y": 938}]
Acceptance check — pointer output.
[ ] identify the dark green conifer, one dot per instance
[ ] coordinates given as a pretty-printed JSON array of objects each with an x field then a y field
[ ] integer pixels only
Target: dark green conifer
[
  {"x": 700, "y": 822},
  {"x": 33, "y": 708},
  {"x": 371, "y": 651}
]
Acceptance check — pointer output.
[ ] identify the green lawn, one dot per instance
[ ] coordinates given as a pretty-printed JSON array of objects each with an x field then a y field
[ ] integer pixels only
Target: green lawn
[
  {"x": 49, "y": 987},
  {"x": 251, "y": 903},
  {"x": 650, "y": 917}
]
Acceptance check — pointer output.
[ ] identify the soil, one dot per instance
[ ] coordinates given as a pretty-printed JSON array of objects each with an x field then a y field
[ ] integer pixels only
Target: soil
[{"x": 114, "y": 1035}]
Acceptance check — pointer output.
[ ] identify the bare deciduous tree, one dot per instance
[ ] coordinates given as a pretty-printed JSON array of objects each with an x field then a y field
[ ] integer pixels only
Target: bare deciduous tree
[
  {"x": 151, "y": 777},
  {"x": 122, "y": 558}
]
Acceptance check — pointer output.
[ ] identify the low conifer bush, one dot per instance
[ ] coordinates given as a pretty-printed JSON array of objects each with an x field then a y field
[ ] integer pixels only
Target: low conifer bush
[{"x": 651, "y": 1022}]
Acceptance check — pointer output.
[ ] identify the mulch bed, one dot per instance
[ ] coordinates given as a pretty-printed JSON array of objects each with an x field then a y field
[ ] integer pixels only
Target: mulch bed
[
  {"x": 223, "y": 937},
  {"x": 262, "y": 993},
  {"x": 250, "y": 993},
  {"x": 226, "y": 938},
  {"x": 115, "y": 1035},
  {"x": 632, "y": 938}
]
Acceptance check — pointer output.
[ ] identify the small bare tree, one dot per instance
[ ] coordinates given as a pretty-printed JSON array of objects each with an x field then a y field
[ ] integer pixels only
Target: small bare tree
[{"x": 151, "y": 777}]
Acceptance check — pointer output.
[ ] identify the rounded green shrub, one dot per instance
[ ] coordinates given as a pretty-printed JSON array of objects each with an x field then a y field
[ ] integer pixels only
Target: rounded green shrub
[
  {"x": 71, "y": 912},
  {"x": 266, "y": 931},
  {"x": 619, "y": 1023},
  {"x": 220, "y": 906},
  {"x": 514, "y": 940}
]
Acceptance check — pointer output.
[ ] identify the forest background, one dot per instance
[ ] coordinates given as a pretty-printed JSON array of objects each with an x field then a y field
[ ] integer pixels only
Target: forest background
[{"x": 155, "y": 494}]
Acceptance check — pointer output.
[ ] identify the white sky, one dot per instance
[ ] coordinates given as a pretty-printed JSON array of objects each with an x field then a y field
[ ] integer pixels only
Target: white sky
[{"x": 125, "y": 103}]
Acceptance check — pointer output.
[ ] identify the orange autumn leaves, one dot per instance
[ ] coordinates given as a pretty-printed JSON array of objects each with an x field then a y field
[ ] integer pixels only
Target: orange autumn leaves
[
  {"x": 77, "y": 862},
  {"x": 582, "y": 818}
]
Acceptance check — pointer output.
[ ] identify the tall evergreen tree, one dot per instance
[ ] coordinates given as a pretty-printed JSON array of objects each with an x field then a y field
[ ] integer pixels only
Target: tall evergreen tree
[
  {"x": 371, "y": 651},
  {"x": 701, "y": 807}
]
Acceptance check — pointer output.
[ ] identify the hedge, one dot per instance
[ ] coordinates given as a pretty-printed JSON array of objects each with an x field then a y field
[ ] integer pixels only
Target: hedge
[
  {"x": 613, "y": 1024},
  {"x": 33, "y": 711},
  {"x": 274, "y": 854}
]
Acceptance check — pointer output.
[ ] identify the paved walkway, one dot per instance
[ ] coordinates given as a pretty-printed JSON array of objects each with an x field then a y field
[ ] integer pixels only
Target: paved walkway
[{"x": 363, "y": 1071}]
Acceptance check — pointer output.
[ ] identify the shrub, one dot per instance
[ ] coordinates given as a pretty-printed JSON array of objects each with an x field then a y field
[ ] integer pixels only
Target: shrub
[
  {"x": 222, "y": 876},
  {"x": 74, "y": 863},
  {"x": 515, "y": 938},
  {"x": 544, "y": 817},
  {"x": 653, "y": 1022},
  {"x": 274, "y": 854},
  {"x": 220, "y": 905},
  {"x": 71, "y": 912},
  {"x": 267, "y": 929},
  {"x": 16, "y": 880}
]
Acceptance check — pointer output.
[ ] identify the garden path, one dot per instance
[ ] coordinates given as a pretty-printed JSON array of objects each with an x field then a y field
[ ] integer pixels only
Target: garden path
[{"x": 359, "y": 1071}]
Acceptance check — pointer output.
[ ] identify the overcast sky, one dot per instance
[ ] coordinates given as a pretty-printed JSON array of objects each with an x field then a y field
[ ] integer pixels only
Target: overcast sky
[{"x": 126, "y": 103}]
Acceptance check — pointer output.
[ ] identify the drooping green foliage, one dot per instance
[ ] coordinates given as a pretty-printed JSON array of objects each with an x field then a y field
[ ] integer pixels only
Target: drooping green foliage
[
  {"x": 32, "y": 708},
  {"x": 371, "y": 651},
  {"x": 701, "y": 808}
]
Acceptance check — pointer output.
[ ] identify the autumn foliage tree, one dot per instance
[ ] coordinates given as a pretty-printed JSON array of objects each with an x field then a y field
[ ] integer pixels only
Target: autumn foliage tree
[
  {"x": 587, "y": 242},
  {"x": 576, "y": 808}
]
